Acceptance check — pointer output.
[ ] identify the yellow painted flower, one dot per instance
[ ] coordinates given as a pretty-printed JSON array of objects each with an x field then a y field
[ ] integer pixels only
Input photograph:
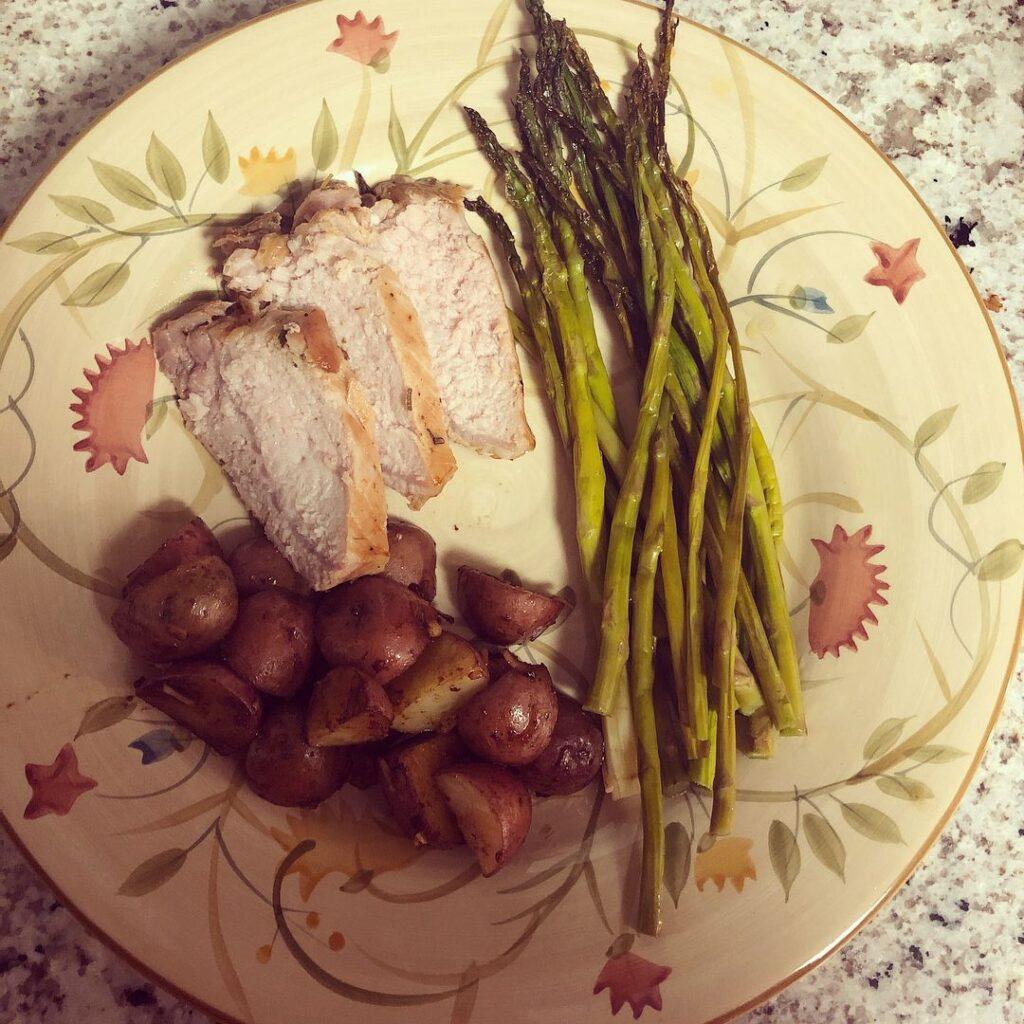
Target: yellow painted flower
[
  {"x": 344, "y": 843},
  {"x": 264, "y": 175},
  {"x": 727, "y": 861}
]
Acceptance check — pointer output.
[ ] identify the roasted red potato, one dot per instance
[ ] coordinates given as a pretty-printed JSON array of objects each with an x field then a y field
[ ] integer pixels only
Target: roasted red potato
[
  {"x": 429, "y": 694},
  {"x": 407, "y": 775},
  {"x": 511, "y": 720},
  {"x": 347, "y": 707},
  {"x": 375, "y": 624},
  {"x": 193, "y": 541},
  {"x": 272, "y": 643},
  {"x": 573, "y": 755},
  {"x": 180, "y": 613},
  {"x": 258, "y": 565},
  {"x": 284, "y": 769},
  {"x": 502, "y": 612},
  {"x": 208, "y": 699},
  {"x": 493, "y": 810},
  {"x": 412, "y": 558},
  {"x": 364, "y": 767}
]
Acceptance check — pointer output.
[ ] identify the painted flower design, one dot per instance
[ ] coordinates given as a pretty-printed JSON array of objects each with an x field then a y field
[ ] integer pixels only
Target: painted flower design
[
  {"x": 56, "y": 787},
  {"x": 897, "y": 269},
  {"x": 364, "y": 41},
  {"x": 846, "y": 586},
  {"x": 114, "y": 407},
  {"x": 265, "y": 175},
  {"x": 345, "y": 842},
  {"x": 632, "y": 979},
  {"x": 728, "y": 860}
]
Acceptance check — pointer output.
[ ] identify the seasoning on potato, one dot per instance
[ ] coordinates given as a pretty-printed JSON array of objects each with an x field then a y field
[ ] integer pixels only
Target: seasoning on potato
[
  {"x": 572, "y": 757},
  {"x": 258, "y": 565},
  {"x": 375, "y": 624},
  {"x": 429, "y": 694},
  {"x": 412, "y": 558},
  {"x": 284, "y": 769},
  {"x": 271, "y": 644},
  {"x": 503, "y": 612},
  {"x": 180, "y": 613},
  {"x": 511, "y": 720},
  {"x": 492, "y": 808},
  {"x": 208, "y": 699},
  {"x": 347, "y": 707}
]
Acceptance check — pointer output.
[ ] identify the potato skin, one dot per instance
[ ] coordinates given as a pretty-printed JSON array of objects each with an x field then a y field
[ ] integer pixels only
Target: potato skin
[
  {"x": 192, "y": 541},
  {"x": 180, "y": 613},
  {"x": 347, "y": 707},
  {"x": 271, "y": 644},
  {"x": 284, "y": 769},
  {"x": 208, "y": 699},
  {"x": 412, "y": 559},
  {"x": 511, "y": 721},
  {"x": 500, "y": 611},
  {"x": 375, "y": 624},
  {"x": 258, "y": 565},
  {"x": 407, "y": 775},
  {"x": 492, "y": 808},
  {"x": 572, "y": 757}
]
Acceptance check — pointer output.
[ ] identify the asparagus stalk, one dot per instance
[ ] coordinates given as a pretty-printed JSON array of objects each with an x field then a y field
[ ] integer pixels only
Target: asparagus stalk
[
  {"x": 615, "y": 615},
  {"x": 724, "y": 652},
  {"x": 536, "y": 311},
  {"x": 758, "y": 735},
  {"x": 641, "y": 672},
  {"x": 588, "y": 464}
]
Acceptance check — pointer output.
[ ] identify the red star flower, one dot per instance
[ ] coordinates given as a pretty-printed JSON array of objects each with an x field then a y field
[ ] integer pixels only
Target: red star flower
[
  {"x": 56, "y": 787},
  {"x": 897, "y": 270},
  {"x": 632, "y": 979},
  {"x": 364, "y": 41}
]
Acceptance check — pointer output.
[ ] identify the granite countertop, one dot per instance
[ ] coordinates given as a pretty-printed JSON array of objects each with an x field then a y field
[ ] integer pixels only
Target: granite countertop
[{"x": 935, "y": 96}]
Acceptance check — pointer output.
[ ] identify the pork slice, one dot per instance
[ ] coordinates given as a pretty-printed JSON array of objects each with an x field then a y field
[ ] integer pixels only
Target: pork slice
[
  {"x": 446, "y": 271},
  {"x": 247, "y": 235},
  {"x": 332, "y": 264},
  {"x": 296, "y": 440}
]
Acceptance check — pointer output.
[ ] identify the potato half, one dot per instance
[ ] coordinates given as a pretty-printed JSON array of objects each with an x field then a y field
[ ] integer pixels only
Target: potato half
[
  {"x": 407, "y": 774},
  {"x": 192, "y": 541},
  {"x": 347, "y": 707},
  {"x": 258, "y": 565},
  {"x": 572, "y": 757},
  {"x": 209, "y": 700},
  {"x": 412, "y": 558},
  {"x": 502, "y": 612},
  {"x": 375, "y": 624},
  {"x": 493, "y": 810},
  {"x": 271, "y": 644},
  {"x": 180, "y": 613},
  {"x": 284, "y": 769},
  {"x": 511, "y": 720},
  {"x": 446, "y": 675}
]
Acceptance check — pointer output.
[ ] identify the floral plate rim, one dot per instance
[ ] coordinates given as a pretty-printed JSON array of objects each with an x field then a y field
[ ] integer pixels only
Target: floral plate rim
[{"x": 841, "y": 939}]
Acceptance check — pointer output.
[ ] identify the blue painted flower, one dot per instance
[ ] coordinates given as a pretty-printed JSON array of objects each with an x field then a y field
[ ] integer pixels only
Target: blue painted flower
[
  {"x": 811, "y": 299},
  {"x": 157, "y": 744}
]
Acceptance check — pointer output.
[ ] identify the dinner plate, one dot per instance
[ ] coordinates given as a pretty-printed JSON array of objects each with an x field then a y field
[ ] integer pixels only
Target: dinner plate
[{"x": 880, "y": 386}]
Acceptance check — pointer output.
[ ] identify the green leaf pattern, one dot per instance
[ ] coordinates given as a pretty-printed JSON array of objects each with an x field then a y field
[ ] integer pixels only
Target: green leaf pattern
[
  {"x": 165, "y": 169},
  {"x": 784, "y": 854}
]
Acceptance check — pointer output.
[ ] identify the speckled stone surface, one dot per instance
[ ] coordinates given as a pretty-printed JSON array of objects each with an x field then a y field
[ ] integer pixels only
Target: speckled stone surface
[{"x": 942, "y": 93}]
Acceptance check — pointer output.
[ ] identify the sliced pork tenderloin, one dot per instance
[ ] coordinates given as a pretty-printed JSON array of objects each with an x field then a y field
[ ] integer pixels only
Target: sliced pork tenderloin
[
  {"x": 276, "y": 407},
  {"x": 331, "y": 263},
  {"x": 446, "y": 270}
]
